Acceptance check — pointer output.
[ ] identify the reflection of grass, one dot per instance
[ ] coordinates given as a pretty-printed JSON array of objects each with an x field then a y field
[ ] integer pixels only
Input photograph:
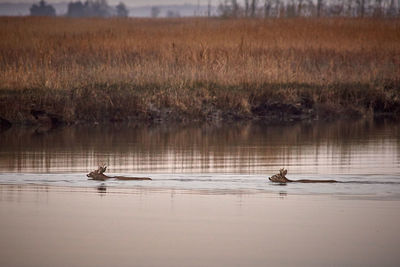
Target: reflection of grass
[
  {"x": 251, "y": 146},
  {"x": 94, "y": 69}
]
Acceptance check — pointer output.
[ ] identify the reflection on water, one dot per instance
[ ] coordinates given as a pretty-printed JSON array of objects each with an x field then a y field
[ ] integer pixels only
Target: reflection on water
[
  {"x": 227, "y": 159},
  {"x": 168, "y": 221},
  {"x": 102, "y": 189},
  {"x": 322, "y": 148},
  {"x": 78, "y": 227}
]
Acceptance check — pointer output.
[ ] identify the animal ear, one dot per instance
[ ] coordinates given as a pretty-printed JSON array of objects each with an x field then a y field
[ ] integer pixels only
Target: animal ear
[
  {"x": 102, "y": 168},
  {"x": 284, "y": 172}
]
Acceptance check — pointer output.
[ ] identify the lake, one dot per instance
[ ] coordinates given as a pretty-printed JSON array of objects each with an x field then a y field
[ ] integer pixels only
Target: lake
[
  {"x": 210, "y": 202},
  {"x": 365, "y": 155}
]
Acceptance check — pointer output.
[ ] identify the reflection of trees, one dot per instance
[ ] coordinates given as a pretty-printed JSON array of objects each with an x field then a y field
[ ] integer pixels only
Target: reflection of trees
[{"x": 231, "y": 148}]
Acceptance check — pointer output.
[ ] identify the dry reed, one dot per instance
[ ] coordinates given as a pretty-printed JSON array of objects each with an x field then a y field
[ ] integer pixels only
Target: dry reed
[{"x": 119, "y": 68}]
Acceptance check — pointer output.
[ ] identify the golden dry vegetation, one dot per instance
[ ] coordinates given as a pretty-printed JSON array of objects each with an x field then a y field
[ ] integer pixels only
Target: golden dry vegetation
[{"x": 119, "y": 69}]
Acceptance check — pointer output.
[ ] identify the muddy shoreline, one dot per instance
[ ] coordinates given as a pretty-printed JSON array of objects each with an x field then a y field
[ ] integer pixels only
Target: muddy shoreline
[{"x": 268, "y": 103}]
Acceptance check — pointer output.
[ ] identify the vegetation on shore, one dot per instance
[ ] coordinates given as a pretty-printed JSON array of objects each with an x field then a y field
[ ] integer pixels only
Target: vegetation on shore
[{"x": 96, "y": 70}]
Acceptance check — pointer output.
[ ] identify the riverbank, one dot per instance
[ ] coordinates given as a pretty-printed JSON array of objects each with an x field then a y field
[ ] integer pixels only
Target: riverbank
[
  {"x": 46, "y": 226},
  {"x": 72, "y": 71},
  {"x": 269, "y": 103}
]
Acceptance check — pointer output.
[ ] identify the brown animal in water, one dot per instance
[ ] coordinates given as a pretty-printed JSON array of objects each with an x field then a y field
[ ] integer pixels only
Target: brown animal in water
[
  {"x": 100, "y": 176},
  {"x": 281, "y": 178}
]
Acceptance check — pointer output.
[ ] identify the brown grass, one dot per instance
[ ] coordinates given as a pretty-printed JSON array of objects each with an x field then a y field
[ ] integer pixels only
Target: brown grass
[{"x": 196, "y": 66}]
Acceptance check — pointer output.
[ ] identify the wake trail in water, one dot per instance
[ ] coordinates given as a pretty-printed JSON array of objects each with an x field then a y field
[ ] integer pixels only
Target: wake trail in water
[
  {"x": 369, "y": 182},
  {"x": 294, "y": 181}
]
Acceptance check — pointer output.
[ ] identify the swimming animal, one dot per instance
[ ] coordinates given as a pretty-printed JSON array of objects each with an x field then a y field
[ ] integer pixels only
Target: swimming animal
[
  {"x": 100, "y": 176},
  {"x": 281, "y": 178}
]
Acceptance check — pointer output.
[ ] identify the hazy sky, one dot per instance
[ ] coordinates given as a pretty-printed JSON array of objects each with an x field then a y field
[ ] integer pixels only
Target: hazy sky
[{"x": 127, "y": 2}]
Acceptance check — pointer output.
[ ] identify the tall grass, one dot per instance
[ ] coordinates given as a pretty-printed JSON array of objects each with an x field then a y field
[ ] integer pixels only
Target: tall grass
[{"x": 185, "y": 64}]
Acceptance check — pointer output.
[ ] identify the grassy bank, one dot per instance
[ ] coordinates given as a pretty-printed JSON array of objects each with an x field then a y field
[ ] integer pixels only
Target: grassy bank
[{"x": 73, "y": 70}]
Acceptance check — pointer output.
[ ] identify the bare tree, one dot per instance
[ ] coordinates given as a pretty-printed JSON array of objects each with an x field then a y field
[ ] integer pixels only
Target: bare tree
[
  {"x": 398, "y": 7},
  {"x": 42, "y": 9},
  {"x": 122, "y": 10},
  {"x": 247, "y": 8},
  {"x": 336, "y": 7},
  {"x": 224, "y": 9},
  {"x": 96, "y": 8},
  {"x": 277, "y": 7},
  {"x": 377, "y": 9},
  {"x": 349, "y": 8},
  {"x": 173, "y": 14},
  {"x": 155, "y": 11},
  {"x": 267, "y": 8},
  {"x": 229, "y": 9},
  {"x": 361, "y": 7},
  {"x": 391, "y": 9},
  {"x": 235, "y": 8},
  {"x": 253, "y": 8},
  {"x": 299, "y": 7},
  {"x": 319, "y": 7},
  {"x": 290, "y": 9}
]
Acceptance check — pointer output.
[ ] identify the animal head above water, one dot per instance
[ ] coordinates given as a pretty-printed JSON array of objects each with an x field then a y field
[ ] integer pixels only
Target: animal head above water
[
  {"x": 97, "y": 172},
  {"x": 280, "y": 177}
]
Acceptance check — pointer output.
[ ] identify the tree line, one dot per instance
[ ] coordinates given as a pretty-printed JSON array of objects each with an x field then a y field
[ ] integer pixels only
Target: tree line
[
  {"x": 244, "y": 8},
  {"x": 88, "y": 8},
  {"x": 307, "y": 8}
]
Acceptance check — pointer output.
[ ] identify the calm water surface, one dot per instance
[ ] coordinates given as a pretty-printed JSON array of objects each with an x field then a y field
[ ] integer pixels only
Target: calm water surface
[
  {"x": 209, "y": 203},
  {"x": 365, "y": 155}
]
